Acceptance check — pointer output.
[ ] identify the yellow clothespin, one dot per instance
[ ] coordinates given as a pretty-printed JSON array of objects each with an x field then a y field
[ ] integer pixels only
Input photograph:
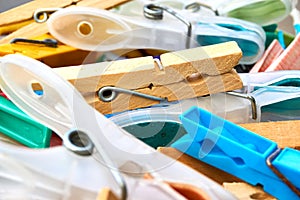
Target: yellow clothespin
[
  {"x": 141, "y": 82},
  {"x": 53, "y": 55}
]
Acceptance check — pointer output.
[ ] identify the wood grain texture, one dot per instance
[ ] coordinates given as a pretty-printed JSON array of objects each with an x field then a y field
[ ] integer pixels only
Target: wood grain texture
[
  {"x": 182, "y": 79},
  {"x": 63, "y": 55},
  {"x": 245, "y": 191},
  {"x": 214, "y": 173},
  {"x": 29, "y": 31},
  {"x": 141, "y": 72},
  {"x": 7, "y": 29},
  {"x": 210, "y": 60},
  {"x": 25, "y": 11},
  {"x": 106, "y": 194},
  {"x": 233, "y": 184},
  {"x": 102, "y": 4},
  {"x": 284, "y": 133},
  {"x": 36, "y": 29},
  {"x": 172, "y": 92}
]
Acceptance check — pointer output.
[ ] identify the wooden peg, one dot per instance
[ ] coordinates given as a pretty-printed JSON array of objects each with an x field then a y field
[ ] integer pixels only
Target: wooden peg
[
  {"x": 62, "y": 55},
  {"x": 106, "y": 194},
  {"x": 284, "y": 133},
  {"x": 36, "y": 29},
  {"x": 186, "y": 77},
  {"x": 25, "y": 11},
  {"x": 22, "y": 15}
]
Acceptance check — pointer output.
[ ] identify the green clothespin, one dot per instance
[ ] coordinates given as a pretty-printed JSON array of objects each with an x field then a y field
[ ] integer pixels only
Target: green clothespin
[
  {"x": 272, "y": 33},
  {"x": 22, "y": 128},
  {"x": 261, "y": 12}
]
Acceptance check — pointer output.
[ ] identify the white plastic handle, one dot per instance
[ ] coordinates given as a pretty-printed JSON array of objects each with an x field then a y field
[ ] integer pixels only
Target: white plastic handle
[
  {"x": 62, "y": 107},
  {"x": 101, "y": 30},
  {"x": 52, "y": 107}
]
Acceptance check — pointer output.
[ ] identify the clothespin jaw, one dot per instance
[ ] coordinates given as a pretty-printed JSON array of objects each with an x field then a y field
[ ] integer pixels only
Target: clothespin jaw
[
  {"x": 22, "y": 24},
  {"x": 178, "y": 75},
  {"x": 54, "y": 56},
  {"x": 238, "y": 151}
]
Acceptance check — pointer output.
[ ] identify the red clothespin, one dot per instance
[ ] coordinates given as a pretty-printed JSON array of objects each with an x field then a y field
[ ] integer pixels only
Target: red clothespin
[{"x": 3, "y": 95}]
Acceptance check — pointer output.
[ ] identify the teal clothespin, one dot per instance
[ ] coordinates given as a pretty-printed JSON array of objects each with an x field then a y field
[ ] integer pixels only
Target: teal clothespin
[
  {"x": 272, "y": 33},
  {"x": 240, "y": 152},
  {"x": 20, "y": 127}
]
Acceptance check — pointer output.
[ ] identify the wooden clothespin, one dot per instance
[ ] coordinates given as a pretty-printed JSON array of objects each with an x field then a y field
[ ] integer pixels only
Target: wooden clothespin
[
  {"x": 106, "y": 194},
  {"x": 19, "y": 20},
  {"x": 54, "y": 56},
  {"x": 20, "y": 16},
  {"x": 177, "y": 75}
]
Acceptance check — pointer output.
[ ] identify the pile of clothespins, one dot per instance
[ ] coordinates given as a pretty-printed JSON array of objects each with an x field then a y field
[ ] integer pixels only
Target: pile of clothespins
[{"x": 150, "y": 100}]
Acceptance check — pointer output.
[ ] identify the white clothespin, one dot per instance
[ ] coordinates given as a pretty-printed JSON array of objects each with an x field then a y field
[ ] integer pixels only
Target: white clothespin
[{"x": 116, "y": 160}]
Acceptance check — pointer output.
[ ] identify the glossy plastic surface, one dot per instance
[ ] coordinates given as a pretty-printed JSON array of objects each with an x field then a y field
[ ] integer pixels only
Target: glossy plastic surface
[
  {"x": 101, "y": 30},
  {"x": 22, "y": 128},
  {"x": 64, "y": 109},
  {"x": 237, "y": 151},
  {"x": 262, "y": 12}
]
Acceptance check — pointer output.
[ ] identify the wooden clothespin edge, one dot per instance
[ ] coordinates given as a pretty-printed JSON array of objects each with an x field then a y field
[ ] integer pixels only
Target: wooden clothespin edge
[
  {"x": 18, "y": 16},
  {"x": 212, "y": 65},
  {"x": 284, "y": 133},
  {"x": 221, "y": 177},
  {"x": 247, "y": 192},
  {"x": 185, "y": 190},
  {"x": 106, "y": 194},
  {"x": 62, "y": 55},
  {"x": 36, "y": 29}
]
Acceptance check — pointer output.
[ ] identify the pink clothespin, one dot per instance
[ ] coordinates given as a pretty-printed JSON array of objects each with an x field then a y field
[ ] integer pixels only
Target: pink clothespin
[
  {"x": 289, "y": 59},
  {"x": 276, "y": 58},
  {"x": 270, "y": 55}
]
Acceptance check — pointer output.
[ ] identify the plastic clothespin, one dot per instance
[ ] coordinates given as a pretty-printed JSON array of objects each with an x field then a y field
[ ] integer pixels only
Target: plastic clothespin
[
  {"x": 250, "y": 10},
  {"x": 141, "y": 82},
  {"x": 208, "y": 28},
  {"x": 22, "y": 25},
  {"x": 240, "y": 152},
  {"x": 274, "y": 95},
  {"x": 22, "y": 128},
  {"x": 151, "y": 31},
  {"x": 287, "y": 59},
  {"x": 295, "y": 14},
  {"x": 114, "y": 158},
  {"x": 262, "y": 12},
  {"x": 270, "y": 55}
]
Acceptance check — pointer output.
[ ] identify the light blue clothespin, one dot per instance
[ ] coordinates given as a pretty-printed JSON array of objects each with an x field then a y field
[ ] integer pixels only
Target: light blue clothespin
[
  {"x": 281, "y": 38},
  {"x": 240, "y": 152}
]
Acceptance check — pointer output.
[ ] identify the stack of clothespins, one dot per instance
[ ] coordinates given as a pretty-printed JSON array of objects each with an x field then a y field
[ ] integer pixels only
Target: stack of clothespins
[{"x": 141, "y": 64}]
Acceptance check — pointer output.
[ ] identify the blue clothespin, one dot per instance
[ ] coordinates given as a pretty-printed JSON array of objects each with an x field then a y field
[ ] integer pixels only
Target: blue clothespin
[{"x": 240, "y": 152}]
